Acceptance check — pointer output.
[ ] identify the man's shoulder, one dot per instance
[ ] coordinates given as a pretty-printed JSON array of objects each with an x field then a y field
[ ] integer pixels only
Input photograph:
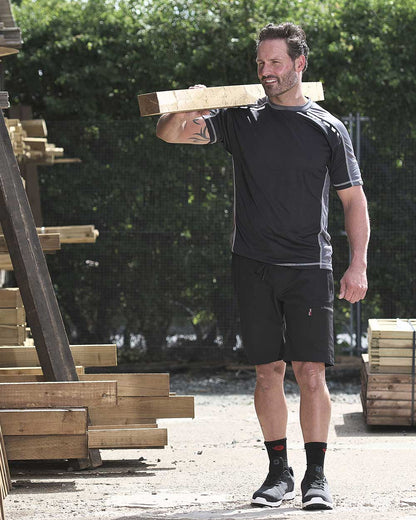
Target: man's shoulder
[{"x": 326, "y": 119}]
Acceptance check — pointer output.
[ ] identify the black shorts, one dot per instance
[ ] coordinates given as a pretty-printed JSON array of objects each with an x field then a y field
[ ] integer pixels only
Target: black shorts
[{"x": 286, "y": 313}]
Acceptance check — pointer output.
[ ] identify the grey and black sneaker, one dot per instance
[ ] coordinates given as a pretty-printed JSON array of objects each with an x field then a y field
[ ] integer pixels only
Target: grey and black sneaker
[
  {"x": 315, "y": 489},
  {"x": 278, "y": 486}
]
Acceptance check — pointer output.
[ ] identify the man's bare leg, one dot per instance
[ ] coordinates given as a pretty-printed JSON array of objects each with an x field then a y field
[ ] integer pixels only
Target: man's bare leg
[
  {"x": 315, "y": 403},
  {"x": 270, "y": 400},
  {"x": 315, "y": 415}
]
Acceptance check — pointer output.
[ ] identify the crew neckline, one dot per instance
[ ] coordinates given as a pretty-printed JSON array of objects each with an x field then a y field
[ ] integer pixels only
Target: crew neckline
[{"x": 298, "y": 108}]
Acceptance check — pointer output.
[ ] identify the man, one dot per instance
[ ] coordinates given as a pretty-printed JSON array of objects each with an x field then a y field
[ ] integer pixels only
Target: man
[{"x": 287, "y": 151}]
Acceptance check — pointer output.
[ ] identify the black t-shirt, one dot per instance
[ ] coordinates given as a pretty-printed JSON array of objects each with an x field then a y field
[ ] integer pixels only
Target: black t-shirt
[{"x": 285, "y": 159}]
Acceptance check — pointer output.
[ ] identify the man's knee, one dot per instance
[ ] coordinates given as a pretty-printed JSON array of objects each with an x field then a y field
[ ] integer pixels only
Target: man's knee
[
  {"x": 269, "y": 375},
  {"x": 310, "y": 376}
]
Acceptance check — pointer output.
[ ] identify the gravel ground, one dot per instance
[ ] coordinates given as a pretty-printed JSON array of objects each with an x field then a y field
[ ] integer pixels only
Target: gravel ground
[{"x": 214, "y": 462}]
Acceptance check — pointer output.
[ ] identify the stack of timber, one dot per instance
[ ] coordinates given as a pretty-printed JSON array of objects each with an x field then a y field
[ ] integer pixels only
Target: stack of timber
[
  {"x": 10, "y": 35},
  {"x": 43, "y": 420},
  {"x": 29, "y": 141},
  {"x": 51, "y": 238},
  {"x": 388, "y": 373},
  {"x": 49, "y": 420},
  {"x": 12, "y": 318}
]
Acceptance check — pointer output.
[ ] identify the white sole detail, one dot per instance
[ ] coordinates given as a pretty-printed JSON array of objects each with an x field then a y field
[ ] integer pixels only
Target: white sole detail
[
  {"x": 317, "y": 503},
  {"x": 261, "y": 501}
]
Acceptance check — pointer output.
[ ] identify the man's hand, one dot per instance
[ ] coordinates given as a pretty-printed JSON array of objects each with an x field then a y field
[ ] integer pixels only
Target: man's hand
[{"x": 353, "y": 285}]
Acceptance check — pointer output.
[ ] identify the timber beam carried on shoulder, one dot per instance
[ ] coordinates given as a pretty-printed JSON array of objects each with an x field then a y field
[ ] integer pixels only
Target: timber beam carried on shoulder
[{"x": 186, "y": 100}]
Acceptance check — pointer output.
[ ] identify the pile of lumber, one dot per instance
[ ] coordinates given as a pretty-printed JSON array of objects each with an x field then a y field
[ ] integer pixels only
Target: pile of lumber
[
  {"x": 12, "y": 318},
  {"x": 388, "y": 373},
  {"x": 51, "y": 239},
  {"x": 63, "y": 420},
  {"x": 10, "y": 34},
  {"x": 30, "y": 143}
]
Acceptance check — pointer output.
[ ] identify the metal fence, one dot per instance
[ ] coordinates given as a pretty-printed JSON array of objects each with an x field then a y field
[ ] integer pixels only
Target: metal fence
[{"x": 158, "y": 278}]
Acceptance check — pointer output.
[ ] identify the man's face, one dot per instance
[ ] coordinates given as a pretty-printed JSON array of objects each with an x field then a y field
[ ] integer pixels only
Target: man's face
[{"x": 276, "y": 70}]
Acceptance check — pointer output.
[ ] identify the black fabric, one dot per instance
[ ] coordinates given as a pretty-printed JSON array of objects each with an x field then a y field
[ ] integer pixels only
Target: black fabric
[
  {"x": 285, "y": 159},
  {"x": 277, "y": 450},
  {"x": 315, "y": 453},
  {"x": 286, "y": 314}
]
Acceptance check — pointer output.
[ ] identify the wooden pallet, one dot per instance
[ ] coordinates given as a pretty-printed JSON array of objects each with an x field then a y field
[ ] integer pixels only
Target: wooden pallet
[
  {"x": 5, "y": 480},
  {"x": 387, "y": 399}
]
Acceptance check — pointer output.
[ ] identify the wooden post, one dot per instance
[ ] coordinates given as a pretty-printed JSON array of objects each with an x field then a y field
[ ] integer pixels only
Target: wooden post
[{"x": 31, "y": 270}]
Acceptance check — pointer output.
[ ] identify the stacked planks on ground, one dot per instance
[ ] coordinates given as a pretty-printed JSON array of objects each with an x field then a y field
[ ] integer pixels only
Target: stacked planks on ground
[
  {"x": 391, "y": 345},
  {"x": 387, "y": 398}
]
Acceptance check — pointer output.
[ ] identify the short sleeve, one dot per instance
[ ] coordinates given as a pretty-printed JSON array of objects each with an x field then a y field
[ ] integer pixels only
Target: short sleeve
[
  {"x": 344, "y": 169},
  {"x": 219, "y": 127}
]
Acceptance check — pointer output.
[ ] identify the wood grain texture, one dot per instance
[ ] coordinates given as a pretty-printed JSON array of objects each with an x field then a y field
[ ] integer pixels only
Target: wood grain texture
[{"x": 185, "y": 100}]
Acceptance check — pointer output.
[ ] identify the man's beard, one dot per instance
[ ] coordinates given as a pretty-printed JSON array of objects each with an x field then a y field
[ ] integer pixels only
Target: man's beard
[{"x": 282, "y": 84}]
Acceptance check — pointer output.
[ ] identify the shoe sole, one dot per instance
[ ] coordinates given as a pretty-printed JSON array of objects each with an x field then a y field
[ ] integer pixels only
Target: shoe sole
[
  {"x": 317, "y": 503},
  {"x": 263, "y": 502}
]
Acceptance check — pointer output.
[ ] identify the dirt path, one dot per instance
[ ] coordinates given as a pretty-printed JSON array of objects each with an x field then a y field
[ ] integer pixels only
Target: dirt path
[{"x": 214, "y": 462}]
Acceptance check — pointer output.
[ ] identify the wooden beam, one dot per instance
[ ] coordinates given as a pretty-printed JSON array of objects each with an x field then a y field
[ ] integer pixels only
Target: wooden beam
[
  {"x": 131, "y": 410},
  {"x": 44, "y": 421},
  {"x": 139, "y": 385},
  {"x": 97, "y": 394},
  {"x": 127, "y": 438},
  {"x": 46, "y": 447},
  {"x": 48, "y": 242},
  {"x": 35, "y": 127},
  {"x": 10, "y": 298},
  {"x": 27, "y": 372},
  {"x": 84, "y": 355},
  {"x": 209, "y": 98},
  {"x": 12, "y": 334},
  {"x": 16, "y": 316},
  {"x": 72, "y": 234}
]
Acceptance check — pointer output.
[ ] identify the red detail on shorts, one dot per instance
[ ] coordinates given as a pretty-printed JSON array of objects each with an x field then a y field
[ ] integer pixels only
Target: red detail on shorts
[
  {"x": 279, "y": 447},
  {"x": 310, "y": 312},
  {"x": 324, "y": 450}
]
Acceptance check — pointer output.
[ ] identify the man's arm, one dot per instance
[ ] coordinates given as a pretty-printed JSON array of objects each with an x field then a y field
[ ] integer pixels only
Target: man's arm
[
  {"x": 354, "y": 282},
  {"x": 183, "y": 127}
]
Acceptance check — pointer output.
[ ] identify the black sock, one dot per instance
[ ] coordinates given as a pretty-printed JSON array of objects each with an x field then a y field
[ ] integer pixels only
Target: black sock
[
  {"x": 277, "y": 452},
  {"x": 315, "y": 453}
]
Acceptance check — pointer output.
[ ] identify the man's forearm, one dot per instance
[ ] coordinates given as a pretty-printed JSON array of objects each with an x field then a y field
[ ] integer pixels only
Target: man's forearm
[
  {"x": 170, "y": 126},
  {"x": 357, "y": 226}
]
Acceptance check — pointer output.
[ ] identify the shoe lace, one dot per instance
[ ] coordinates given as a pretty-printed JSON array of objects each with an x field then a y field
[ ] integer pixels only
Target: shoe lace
[{"x": 317, "y": 482}]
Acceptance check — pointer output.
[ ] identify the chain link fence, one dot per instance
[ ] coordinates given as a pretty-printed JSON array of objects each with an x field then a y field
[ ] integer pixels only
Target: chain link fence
[{"x": 158, "y": 281}]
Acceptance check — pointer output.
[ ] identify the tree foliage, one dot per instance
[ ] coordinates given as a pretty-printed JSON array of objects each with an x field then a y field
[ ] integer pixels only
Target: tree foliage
[{"x": 165, "y": 213}]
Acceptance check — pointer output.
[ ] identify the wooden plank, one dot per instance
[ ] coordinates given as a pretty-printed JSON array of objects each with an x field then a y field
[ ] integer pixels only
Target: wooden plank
[
  {"x": 389, "y": 421},
  {"x": 44, "y": 421},
  {"x": 35, "y": 127},
  {"x": 12, "y": 334},
  {"x": 73, "y": 234},
  {"x": 131, "y": 410},
  {"x": 209, "y": 98},
  {"x": 46, "y": 447},
  {"x": 10, "y": 298},
  {"x": 83, "y": 355},
  {"x": 48, "y": 242},
  {"x": 121, "y": 426},
  {"x": 128, "y": 438},
  {"x": 391, "y": 328},
  {"x": 97, "y": 394},
  {"x": 28, "y": 372},
  {"x": 139, "y": 385},
  {"x": 16, "y": 316},
  {"x": 396, "y": 405}
]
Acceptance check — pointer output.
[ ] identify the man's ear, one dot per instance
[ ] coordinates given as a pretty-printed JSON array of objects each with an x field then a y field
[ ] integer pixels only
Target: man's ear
[{"x": 300, "y": 63}]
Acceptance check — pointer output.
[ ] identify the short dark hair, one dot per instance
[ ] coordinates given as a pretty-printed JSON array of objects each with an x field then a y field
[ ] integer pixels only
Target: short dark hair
[{"x": 294, "y": 36}]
